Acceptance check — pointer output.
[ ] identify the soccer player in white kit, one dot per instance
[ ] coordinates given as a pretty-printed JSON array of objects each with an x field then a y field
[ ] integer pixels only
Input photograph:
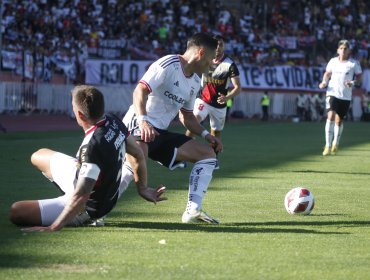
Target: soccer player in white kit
[
  {"x": 168, "y": 88},
  {"x": 341, "y": 75}
]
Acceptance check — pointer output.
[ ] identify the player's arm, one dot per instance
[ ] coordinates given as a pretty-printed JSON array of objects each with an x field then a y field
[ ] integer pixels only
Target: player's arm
[
  {"x": 325, "y": 80},
  {"x": 138, "y": 163},
  {"x": 222, "y": 99},
  {"x": 356, "y": 81},
  {"x": 192, "y": 124},
  {"x": 74, "y": 206},
  {"x": 140, "y": 98}
]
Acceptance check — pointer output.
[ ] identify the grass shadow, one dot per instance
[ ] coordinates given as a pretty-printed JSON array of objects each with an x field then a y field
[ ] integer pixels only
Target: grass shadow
[
  {"x": 222, "y": 228},
  {"x": 326, "y": 172}
]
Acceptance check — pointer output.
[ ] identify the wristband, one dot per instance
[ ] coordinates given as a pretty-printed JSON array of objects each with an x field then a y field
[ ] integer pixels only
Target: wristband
[
  {"x": 204, "y": 133},
  {"x": 142, "y": 118}
]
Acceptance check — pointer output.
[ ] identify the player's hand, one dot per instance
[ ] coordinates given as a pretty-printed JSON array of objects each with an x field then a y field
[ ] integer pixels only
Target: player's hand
[
  {"x": 215, "y": 143},
  {"x": 349, "y": 83},
  {"x": 153, "y": 195},
  {"x": 221, "y": 99},
  {"x": 323, "y": 85},
  {"x": 37, "y": 229},
  {"x": 148, "y": 133}
]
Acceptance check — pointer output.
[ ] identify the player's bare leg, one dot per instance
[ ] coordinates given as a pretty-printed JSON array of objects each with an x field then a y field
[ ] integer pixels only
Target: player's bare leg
[
  {"x": 41, "y": 160},
  {"x": 216, "y": 133},
  {"x": 25, "y": 213}
]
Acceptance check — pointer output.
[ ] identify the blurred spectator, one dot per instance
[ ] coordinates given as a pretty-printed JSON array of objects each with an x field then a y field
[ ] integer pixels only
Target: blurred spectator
[
  {"x": 302, "y": 106},
  {"x": 318, "y": 106},
  {"x": 265, "y": 104},
  {"x": 365, "y": 104}
]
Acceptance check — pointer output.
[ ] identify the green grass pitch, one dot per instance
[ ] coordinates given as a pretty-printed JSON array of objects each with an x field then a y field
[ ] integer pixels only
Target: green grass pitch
[{"x": 257, "y": 238}]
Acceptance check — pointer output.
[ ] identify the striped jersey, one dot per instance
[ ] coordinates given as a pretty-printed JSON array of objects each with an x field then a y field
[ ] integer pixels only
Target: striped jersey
[
  {"x": 217, "y": 80},
  {"x": 100, "y": 158},
  {"x": 170, "y": 91}
]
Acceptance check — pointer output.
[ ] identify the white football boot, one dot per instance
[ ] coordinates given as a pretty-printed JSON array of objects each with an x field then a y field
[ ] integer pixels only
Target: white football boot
[{"x": 198, "y": 217}]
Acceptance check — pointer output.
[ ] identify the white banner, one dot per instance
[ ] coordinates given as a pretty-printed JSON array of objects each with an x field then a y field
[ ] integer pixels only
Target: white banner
[
  {"x": 115, "y": 72},
  {"x": 281, "y": 77},
  {"x": 129, "y": 72}
]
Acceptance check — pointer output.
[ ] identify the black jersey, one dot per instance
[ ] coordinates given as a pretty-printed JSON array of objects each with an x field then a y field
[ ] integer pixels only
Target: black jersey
[
  {"x": 100, "y": 158},
  {"x": 217, "y": 80}
]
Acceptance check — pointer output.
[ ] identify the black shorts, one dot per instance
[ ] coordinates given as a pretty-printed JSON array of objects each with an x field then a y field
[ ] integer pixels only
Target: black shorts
[
  {"x": 337, "y": 105},
  {"x": 164, "y": 147}
]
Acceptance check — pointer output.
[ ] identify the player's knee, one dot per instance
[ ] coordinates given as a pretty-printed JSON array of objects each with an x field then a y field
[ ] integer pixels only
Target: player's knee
[
  {"x": 209, "y": 152},
  {"x": 17, "y": 214},
  {"x": 41, "y": 160},
  {"x": 36, "y": 157}
]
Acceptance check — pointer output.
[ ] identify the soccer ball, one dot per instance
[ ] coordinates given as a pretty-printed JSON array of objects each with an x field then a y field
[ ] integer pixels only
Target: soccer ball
[{"x": 299, "y": 201}]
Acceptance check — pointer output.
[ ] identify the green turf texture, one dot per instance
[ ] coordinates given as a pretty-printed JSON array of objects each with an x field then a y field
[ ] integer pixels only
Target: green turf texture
[{"x": 257, "y": 238}]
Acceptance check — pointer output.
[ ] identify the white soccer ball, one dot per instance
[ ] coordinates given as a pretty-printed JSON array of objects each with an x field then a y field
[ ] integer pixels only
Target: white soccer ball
[{"x": 299, "y": 201}]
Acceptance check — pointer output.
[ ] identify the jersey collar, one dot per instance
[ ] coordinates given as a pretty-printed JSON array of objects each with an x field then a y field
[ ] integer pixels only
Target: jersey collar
[
  {"x": 95, "y": 126},
  {"x": 219, "y": 60}
]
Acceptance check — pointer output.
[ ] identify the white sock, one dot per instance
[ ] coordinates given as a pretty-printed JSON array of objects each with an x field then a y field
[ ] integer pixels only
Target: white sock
[
  {"x": 200, "y": 177},
  {"x": 329, "y": 132},
  {"x": 126, "y": 177},
  {"x": 338, "y": 129}
]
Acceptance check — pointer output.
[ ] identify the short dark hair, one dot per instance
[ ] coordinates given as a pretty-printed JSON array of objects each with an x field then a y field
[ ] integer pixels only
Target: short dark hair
[
  {"x": 89, "y": 100},
  {"x": 219, "y": 38},
  {"x": 343, "y": 42},
  {"x": 202, "y": 40}
]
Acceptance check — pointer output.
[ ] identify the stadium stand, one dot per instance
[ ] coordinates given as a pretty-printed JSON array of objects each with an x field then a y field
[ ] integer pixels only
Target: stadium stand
[
  {"x": 61, "y": 34},
  {"x": 49, "y": 41}
]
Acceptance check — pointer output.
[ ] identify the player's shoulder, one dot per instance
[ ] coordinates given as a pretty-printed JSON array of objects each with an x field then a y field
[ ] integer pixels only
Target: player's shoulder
[
  {"x": 196, "y": 78},
  {"x": 229, "y": 62},
  {"x": 333, "y": 63},
  {"x": 334, "y": 59},
  {"x": 228, "y": 59},
  {"x": 353, "y": 60},
  {"x": 112, "y": 128},
  {"x": 115, "y": 123},
  {"x": 168, "y": 60}
]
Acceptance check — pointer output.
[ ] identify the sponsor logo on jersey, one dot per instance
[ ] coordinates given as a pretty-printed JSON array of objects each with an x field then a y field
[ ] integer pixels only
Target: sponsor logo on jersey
[
  {"x": 114, "y": 124},
  {"x": 215, "y": 81},
  {"x": 109, "y": 135},
  {"x": 83, "y": 155},
  {"x": 174, "y": 97},
  {"x": 118, "y": 142},
  {"x": 192, "y": 91},
  {"x": 176, "y": 83}
]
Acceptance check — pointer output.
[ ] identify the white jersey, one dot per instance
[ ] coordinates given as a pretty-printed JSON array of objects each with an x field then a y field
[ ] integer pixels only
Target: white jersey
[
  {"x": 340, "y": 73},
  {"x": 170, "y": 91}
]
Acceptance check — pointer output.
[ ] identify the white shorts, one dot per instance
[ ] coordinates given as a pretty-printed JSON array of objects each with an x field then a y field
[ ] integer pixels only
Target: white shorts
[
  {"x": 217, "y": 116},
  {"x": 63, "y": 170}
]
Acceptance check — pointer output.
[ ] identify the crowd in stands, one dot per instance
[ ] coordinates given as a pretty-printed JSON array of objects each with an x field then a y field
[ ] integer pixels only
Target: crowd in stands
[{"x": 270, "y": 32}]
